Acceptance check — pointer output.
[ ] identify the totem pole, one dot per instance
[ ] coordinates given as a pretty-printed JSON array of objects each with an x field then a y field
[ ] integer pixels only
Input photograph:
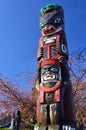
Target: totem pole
[
  {"x": 12, "y": 124},
  {"x": 15, "y": 121},
  {"x": 55, "y": 103}
]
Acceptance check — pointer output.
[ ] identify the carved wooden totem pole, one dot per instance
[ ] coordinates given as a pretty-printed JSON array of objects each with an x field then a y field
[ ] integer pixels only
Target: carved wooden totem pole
[
  {"x": 55, "y": 103},
  {"x": 15, "y": 121}
]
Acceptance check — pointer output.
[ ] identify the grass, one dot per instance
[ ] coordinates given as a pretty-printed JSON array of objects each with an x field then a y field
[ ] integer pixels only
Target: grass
[{"x": 3, "y": 128}]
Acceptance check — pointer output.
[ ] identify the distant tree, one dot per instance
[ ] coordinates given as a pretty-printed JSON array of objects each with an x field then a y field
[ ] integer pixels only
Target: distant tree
[
  {"x": 77, "y": 65},
  {"x": 12, "y": 98}
]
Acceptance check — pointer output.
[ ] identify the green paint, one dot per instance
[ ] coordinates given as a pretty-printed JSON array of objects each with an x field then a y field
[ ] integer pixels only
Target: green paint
[{"x": 50, "y": 6}]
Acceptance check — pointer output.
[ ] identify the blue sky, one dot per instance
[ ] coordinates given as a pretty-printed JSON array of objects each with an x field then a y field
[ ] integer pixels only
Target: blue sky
[{"x": 19, "y": 32}]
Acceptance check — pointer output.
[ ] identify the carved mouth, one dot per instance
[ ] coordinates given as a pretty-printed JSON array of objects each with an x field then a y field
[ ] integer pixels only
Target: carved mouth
[{"x": 49, "y": 77}]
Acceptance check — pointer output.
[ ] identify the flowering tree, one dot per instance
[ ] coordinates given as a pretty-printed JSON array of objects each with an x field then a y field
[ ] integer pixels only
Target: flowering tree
[
  {"x": 12, "y": 99},
  {"x": 77, "y": 66}
]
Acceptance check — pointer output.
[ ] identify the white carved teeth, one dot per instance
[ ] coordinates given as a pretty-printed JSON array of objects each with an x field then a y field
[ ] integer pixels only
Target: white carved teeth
[{"x": 67, "y": 128}]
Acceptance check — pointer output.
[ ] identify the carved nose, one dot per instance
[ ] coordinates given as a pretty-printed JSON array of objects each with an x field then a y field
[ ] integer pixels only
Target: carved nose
[{"x": 48, "y": 72}]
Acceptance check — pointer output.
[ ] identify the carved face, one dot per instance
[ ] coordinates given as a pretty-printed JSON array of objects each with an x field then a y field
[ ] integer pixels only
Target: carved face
[
  {"x": 51, "y": 18},
  {"x": 50, "y": 73}
]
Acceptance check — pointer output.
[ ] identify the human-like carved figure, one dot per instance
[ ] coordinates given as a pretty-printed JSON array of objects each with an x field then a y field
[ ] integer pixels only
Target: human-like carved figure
[{"x": 55, "y": 104}]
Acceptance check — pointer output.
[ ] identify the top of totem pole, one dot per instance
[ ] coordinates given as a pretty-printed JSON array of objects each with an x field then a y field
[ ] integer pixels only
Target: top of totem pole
[
  {"x": 51, "y": 16},
  {"x": 51, "y": 7},
  {"x": 48, "y": 8}
]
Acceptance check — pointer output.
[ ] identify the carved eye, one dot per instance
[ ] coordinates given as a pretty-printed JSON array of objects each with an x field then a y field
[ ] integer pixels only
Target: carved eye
[
  {"x": 57, "y": 20},
  {"x": 54, "y": 69}
]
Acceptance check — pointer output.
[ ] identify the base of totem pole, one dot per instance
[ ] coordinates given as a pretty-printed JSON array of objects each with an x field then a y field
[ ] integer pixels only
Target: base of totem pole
[
  {"x": 49, "y": 127},
  {"x": 53, "y": 127}
]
